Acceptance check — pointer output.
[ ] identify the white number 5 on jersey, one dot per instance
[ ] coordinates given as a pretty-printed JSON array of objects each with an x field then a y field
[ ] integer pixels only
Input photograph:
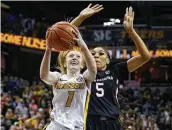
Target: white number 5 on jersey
[{"x": 100, "y": 90}]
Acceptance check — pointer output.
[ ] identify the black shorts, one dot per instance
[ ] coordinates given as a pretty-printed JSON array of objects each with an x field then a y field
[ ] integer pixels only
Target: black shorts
[{"x": 102, "y": 123}]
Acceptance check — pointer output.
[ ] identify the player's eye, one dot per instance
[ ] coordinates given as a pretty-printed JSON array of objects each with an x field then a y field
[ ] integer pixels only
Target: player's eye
[
  {"x": 93, "y": 53},
  {"x": 101, "y": 53},
  {"x": 71, "y": 55},
  {"x": 78, "y": 56}
]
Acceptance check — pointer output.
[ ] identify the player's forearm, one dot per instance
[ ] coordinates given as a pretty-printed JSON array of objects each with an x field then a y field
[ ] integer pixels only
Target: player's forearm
[
  {"x": 77, "y": 21},
  {"x": 89, "y": 59},
  {"x": 140, "y": 45},
  {"x": 45, "y": 65}
]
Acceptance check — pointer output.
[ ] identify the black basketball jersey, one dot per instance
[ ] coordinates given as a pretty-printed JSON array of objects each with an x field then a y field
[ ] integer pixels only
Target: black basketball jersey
[{"x": 102, "y": 99}]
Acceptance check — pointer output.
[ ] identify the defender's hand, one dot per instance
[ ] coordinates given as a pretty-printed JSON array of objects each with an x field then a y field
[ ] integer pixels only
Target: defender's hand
[
  {"x": 89, "y": 11},
  {"x": 128, "y": 19}
]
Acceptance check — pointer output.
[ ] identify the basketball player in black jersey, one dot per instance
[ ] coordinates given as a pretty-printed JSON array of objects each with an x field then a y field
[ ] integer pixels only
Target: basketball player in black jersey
[{"x": 104, "y": 111}]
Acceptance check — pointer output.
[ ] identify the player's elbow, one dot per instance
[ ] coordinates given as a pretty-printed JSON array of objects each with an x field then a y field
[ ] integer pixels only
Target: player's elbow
[
  {"x": 43, "y": 76},
  {"x": 44, "y": 79},
  {"x": 147, "y": 57}
]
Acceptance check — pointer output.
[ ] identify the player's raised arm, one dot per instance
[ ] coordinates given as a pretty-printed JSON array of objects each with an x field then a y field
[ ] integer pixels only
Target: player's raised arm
[
  {"x": 87, "y": 12},
  {"x": 45, "y": 74},
  {"x": 91, "y": 71},
  {"x": 144, "y": 55}
]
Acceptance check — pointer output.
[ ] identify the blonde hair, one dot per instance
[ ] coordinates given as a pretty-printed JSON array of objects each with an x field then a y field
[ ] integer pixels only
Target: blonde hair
[{"x": 62, "y": 58}]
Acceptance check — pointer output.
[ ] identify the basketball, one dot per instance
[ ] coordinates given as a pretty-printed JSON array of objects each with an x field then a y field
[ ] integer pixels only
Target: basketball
[{"x": 60, "y": 36}]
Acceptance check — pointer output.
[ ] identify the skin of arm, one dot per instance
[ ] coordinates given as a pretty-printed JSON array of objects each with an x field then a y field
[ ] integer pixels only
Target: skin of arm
[
  {"x": 45, "y": 74},
  {"x": 91, "y": 71},
  {"x": 144, "y": 56}
]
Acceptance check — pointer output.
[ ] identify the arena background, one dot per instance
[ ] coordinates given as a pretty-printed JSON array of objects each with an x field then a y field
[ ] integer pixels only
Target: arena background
[{"x": 25, "y": 100}]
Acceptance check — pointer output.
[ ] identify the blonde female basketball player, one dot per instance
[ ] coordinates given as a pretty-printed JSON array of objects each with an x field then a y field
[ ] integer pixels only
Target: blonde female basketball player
[{"x": 69, "y": 87}]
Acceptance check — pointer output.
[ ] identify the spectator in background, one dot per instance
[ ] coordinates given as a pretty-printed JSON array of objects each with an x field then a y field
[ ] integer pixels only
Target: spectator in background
[
  {"x": 23, "y": 110},
  {"x": 33, "y": 105},
  {"x": 147, "y": 108}
]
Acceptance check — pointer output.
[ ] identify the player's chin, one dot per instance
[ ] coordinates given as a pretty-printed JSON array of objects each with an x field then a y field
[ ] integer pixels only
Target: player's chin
[
  {"x": 99, "y": 67},
  {"x": 75, "y": 67}
]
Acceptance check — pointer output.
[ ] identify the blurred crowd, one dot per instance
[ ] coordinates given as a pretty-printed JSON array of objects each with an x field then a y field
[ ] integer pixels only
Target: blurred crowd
[
  {"x": 22, "y": 25},
  {"x": 26, "y": 105},
  {"x": 146, "y": 109}
]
